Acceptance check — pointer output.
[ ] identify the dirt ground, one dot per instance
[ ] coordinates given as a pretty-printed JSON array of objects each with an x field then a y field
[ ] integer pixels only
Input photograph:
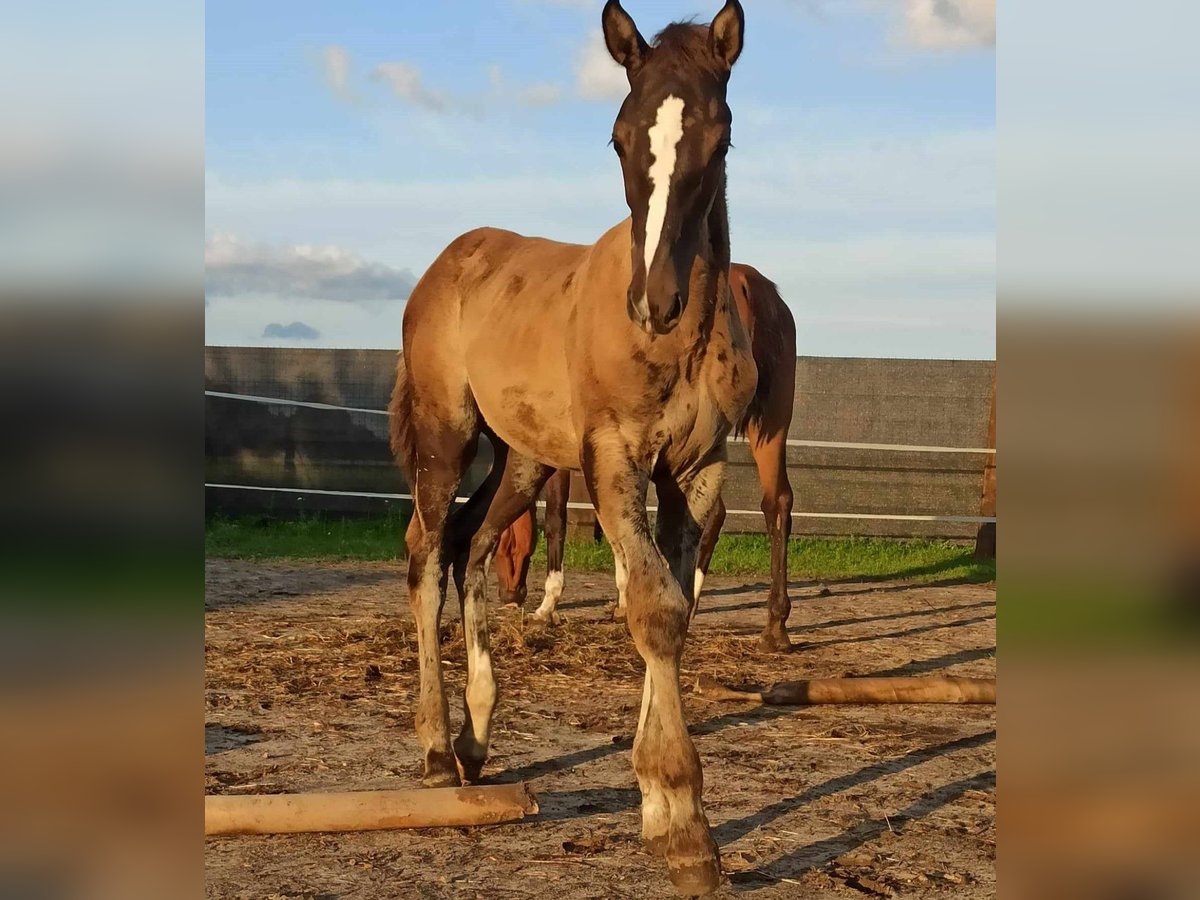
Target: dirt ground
[{"x": 311, "y": 674}]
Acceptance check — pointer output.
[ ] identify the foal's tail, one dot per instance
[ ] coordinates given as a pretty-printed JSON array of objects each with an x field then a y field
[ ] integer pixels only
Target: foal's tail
[{"x": 401, "y": 436}]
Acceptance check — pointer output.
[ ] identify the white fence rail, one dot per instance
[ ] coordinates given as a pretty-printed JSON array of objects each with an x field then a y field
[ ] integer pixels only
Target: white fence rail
[{"x": 847, "y": 445}]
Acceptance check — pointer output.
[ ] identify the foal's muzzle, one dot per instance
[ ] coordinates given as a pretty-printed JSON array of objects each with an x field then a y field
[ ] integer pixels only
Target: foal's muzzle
[{"x": 655, "y": 318}]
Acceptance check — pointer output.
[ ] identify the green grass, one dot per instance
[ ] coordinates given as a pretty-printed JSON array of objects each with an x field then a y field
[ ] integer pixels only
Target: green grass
[
  {"x": 736, "y": 554},
  {"x": 314, "y": 537}
]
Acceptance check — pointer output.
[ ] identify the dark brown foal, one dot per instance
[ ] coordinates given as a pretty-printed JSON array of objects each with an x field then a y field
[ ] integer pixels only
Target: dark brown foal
[{"x": 626, "y": 359}]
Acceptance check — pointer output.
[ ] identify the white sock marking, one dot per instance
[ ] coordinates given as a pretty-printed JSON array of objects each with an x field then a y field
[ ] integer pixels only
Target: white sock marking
[
  {"x": 554, "y": 586},
  {"x": 665, "y": 135},
  {"x": 699, "y": 583}
]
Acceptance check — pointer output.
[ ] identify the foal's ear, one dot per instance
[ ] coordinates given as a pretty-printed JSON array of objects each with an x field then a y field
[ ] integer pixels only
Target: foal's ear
[
  {"x": 622, "y": 38},
  {"x": 725, "y": 33}
]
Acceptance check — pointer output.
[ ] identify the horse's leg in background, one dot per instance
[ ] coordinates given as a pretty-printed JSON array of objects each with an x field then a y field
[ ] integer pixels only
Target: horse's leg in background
[
  {"x": 523, "y": 479},
  {"x": 708, "y": 543},
  {"x": 557, "y": 494},
  {"x": 664, "y": 757},
  {"x": 770, "y": 456}
]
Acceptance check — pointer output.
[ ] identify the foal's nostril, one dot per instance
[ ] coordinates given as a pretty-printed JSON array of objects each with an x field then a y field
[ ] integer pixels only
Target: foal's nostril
[{"x": 676, "y": 309}]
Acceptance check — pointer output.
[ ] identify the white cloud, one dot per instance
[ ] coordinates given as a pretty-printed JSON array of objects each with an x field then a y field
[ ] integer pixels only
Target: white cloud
[
  {"x": 861, "y": 231},
  {"x": 542, "y": 94},
  {"x": 234, "y": 267},
  {"x": 336, "y": 62},
  {"x": 406, "y": 83},
  {"x": 597, "y": 76},
  {"x": 232, "y": 321},
  {"x": 802, "y": 174},
  {"x": 537, "y": 94},
  {"x": 297, "y": 331},
  {"x": 949, "y": 24}
]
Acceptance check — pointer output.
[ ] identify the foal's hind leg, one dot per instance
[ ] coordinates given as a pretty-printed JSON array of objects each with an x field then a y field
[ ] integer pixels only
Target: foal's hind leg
[
  {"x": 465, "y": 520},
  {"x": 437, "y": 467},
  {"x": 522, "y": 480}
]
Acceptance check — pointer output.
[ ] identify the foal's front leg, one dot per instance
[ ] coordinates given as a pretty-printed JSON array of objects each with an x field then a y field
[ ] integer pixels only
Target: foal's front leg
[{"x": 664, "y": 758}]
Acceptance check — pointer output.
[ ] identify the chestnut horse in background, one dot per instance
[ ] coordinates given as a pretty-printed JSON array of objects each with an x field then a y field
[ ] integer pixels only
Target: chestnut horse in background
[
  {"x": 765, "y": 426},
  {"x": 626, "y": 359}
]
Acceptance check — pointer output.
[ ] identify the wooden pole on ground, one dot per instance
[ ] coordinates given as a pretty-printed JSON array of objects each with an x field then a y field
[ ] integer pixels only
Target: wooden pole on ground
[
  {"x": 932, "y": 689},
  {"x": 366, "y": 810}
]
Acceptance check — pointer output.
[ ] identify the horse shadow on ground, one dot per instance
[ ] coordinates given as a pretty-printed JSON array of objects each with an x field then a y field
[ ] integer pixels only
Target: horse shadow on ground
[
  {"x": 860, "y": 620},
  {"x": 922, "y": 666},
  {"x": 567, "y": 805},
  {"x": 624, "y": 743},
  {"x": 792, "y": 865},
  {"x": 734, "y": 829},
  {"x": 803, "y": 592},
  {"x": 561, "y": 806},
  {"x": 801, "y": 646}
]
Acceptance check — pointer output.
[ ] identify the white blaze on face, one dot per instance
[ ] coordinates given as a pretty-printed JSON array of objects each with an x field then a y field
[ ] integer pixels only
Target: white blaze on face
[{"x": 665, "y": 134}]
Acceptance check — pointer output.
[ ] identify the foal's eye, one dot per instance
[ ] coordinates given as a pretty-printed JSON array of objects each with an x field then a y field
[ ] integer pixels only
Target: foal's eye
[{"x": 620, "y": 151}]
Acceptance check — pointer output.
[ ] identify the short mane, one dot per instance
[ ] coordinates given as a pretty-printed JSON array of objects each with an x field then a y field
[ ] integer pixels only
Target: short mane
[{"x": 687, "y": 43}]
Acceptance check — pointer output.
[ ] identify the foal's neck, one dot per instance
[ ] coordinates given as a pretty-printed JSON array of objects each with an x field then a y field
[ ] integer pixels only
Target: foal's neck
[
  {"x": 716, "y": 241},
  {"x": 713, "y": 260}
]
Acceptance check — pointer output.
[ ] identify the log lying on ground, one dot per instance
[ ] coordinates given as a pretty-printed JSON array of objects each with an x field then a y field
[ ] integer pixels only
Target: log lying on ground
[
  {"x": 933, "y": 689},
  {"x": 366, "y": 810}
]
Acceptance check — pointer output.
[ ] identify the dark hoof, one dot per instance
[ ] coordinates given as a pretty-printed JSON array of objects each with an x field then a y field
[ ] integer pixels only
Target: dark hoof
[
  {"x": 696, "y": 879},
  {"x": 619, "y": 613},
  {"x": 823, "y": 591},
  {"x": 775, "y": 640},
  {"x": 468, "y": 765},
  {"x": 441, "y": 770},
  {"x": 472, "y": 772},
  {"x": 441, "y": 779}
]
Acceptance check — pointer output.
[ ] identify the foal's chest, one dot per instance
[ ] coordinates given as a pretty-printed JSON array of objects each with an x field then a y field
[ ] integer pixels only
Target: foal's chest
[{"x": 711, "y": 398}]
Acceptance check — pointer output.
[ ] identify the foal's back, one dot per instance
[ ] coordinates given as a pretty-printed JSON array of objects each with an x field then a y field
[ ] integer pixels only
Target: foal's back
[{"x": 493, "y": 315}]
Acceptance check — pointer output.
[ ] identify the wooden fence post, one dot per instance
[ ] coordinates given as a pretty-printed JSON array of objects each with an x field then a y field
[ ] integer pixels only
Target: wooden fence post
[
  {"x": 985, "y": 538},
  {"x": 581, "y": 523}
]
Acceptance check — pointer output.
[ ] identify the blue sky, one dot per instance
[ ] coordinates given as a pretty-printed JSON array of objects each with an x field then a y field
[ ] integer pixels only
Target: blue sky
[{"x": 347, "y": 143}]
